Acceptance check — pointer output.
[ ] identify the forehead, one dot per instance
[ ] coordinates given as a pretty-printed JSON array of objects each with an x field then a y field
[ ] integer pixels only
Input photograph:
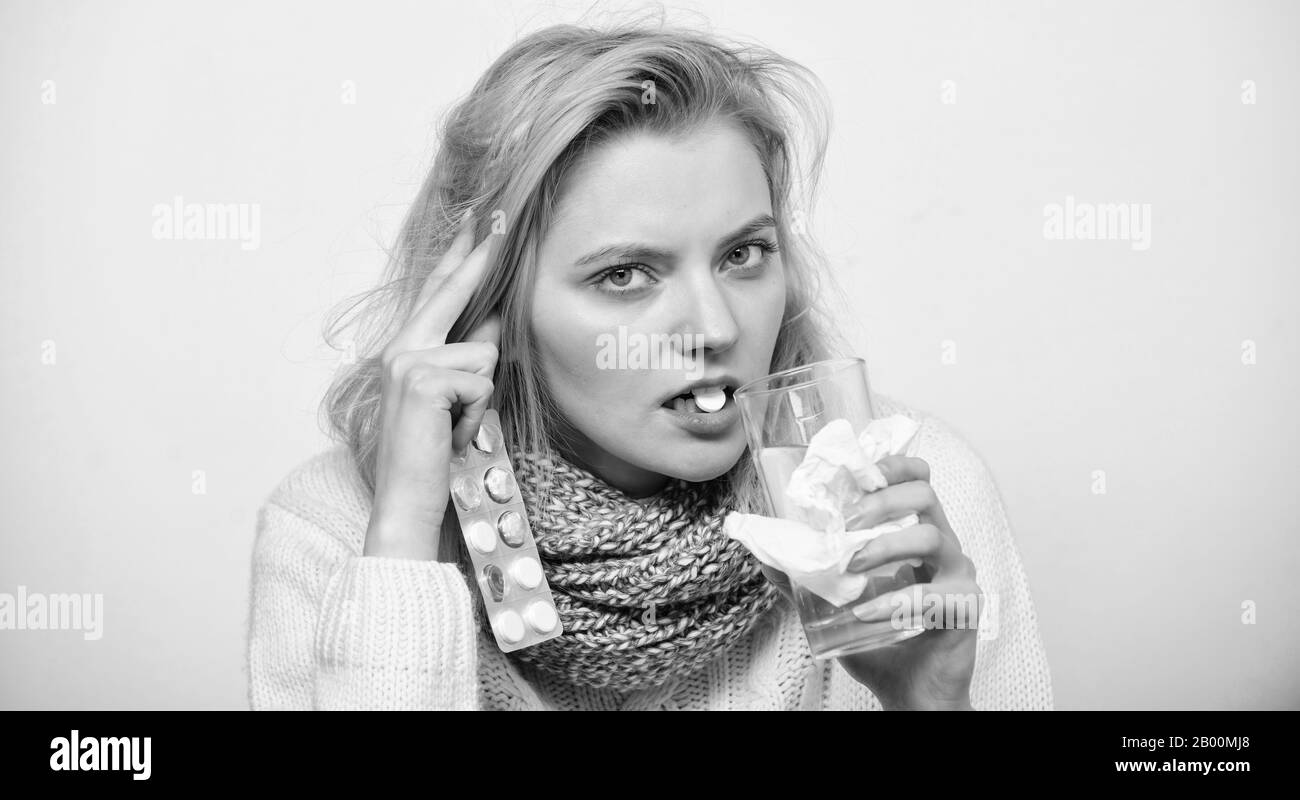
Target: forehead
[{"x": 648, "y": 186}]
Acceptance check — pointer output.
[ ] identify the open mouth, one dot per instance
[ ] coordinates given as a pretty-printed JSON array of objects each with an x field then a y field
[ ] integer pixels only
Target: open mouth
[{"x": 701, "y": 401}]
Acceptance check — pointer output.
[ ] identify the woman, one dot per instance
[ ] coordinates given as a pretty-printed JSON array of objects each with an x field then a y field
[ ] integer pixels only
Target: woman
[{"x": 635, "y": 178}]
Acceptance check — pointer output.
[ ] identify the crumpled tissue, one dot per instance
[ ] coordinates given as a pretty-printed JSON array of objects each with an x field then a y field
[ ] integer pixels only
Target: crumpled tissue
[{"x": 837, "y": 472}]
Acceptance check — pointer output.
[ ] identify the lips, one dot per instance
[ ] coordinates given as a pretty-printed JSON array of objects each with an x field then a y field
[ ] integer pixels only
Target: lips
[
  {"x": 689, "y": 402},
  {"x": 707, "y": 400},
  {"x": 728, "y": 383},
  {"x": 721, "y": 421}
]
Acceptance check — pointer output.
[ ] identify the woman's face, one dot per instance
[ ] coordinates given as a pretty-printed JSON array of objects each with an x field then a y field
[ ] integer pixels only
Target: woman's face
[{"x": 604, "y": 317}]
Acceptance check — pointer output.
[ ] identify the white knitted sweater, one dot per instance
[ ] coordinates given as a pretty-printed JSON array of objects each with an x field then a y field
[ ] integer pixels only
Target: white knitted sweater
[{"x": 330, "y": 628}]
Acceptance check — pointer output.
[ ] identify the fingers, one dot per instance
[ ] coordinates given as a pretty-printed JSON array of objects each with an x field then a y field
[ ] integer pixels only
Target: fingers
[
  {"x": 426, "y": 388},
  {"x": 474, "y": 404},
  {"x": 924, "y": 541},
  {"x": 473, "y": 358},
  {"x": 955, "y": 604},
  {"x": 900, "y": 469},
  {"x": 447, "y": 290},
  {"x": 460, "y": 247},
  {"x": 891, "y": 503},
  {"x": 489, "y": 330},
  {"x": 478, "y": 357},
  {"x": 933, "y": 514}
]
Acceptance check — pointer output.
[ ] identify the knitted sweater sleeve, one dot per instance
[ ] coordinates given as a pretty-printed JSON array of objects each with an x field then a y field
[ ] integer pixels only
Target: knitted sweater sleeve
[{"x": 332, "y": 629}]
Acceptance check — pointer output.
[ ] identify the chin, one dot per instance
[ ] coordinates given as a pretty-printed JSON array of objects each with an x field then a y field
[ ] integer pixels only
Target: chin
[{"x": 705, "y": 461}]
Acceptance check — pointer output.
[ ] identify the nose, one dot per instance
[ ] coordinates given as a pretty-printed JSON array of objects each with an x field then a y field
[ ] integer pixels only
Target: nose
[{"x": 708, "y": 314}]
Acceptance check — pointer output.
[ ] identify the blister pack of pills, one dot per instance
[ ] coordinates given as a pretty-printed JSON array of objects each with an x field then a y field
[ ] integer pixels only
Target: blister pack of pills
[{"x": 500, "y": 542}]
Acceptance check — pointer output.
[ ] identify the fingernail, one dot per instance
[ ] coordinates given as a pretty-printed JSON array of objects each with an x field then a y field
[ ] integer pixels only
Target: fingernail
[
  {"x": 864, "y": 558},
  {"x": 874, "y": 610},
  {"x": 835, "y": 620}
]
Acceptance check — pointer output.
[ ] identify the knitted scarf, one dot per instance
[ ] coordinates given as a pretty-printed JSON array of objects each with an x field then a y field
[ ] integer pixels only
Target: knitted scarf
[{"x": 646, "y": 590}]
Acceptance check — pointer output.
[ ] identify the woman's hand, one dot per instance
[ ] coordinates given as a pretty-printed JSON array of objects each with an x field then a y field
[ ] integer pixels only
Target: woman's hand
[
  {"x": 933, "y": 669},
  {"x": 426, "y": 383}
]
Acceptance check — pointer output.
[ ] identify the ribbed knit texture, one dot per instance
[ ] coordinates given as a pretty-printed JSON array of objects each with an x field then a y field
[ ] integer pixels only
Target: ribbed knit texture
[
  {"x": 610, "y": 559},
  {"x": 330, "y": 628}
]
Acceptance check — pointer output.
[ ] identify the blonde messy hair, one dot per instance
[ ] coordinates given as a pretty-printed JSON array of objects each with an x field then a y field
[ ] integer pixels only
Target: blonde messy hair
[{"x": 505, "y": 151}]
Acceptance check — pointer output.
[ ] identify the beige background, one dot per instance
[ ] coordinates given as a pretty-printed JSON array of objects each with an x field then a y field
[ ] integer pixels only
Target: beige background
[{"x": 1071, "y": 356}]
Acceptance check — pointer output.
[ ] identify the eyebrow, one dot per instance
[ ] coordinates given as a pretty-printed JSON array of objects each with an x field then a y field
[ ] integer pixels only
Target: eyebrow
[{"x": 631, "y": 250}]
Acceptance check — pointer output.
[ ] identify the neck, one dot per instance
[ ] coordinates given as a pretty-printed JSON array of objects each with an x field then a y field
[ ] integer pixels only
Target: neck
[{"x": 629, "y": 479}]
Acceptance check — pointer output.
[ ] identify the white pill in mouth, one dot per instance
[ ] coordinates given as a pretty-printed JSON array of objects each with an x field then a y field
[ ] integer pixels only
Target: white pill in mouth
[{"x": 710, "y": 399}]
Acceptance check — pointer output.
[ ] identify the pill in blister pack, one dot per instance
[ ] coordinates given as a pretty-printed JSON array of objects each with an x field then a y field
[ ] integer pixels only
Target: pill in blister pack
[{"x": 494, "y": 524}]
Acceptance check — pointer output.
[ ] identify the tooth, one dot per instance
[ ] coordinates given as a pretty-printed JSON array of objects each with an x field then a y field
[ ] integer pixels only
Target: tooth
[{"x": 710, "y": 398}]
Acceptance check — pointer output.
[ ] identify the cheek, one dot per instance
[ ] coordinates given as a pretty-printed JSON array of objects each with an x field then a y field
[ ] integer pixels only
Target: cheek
[
  {"x": 563, "y": 356},
  {"x": 568, "y": 360},
  {"x": 766, "y": 324}
]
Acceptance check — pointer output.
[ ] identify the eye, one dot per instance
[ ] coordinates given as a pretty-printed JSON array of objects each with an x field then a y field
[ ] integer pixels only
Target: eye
[
  {"x": 746, "y": 250},
  {"x": 621, "y": 279}
]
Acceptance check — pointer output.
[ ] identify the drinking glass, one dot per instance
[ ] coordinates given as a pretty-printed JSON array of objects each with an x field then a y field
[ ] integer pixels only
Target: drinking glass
[{"x": 781, "y": 414}]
